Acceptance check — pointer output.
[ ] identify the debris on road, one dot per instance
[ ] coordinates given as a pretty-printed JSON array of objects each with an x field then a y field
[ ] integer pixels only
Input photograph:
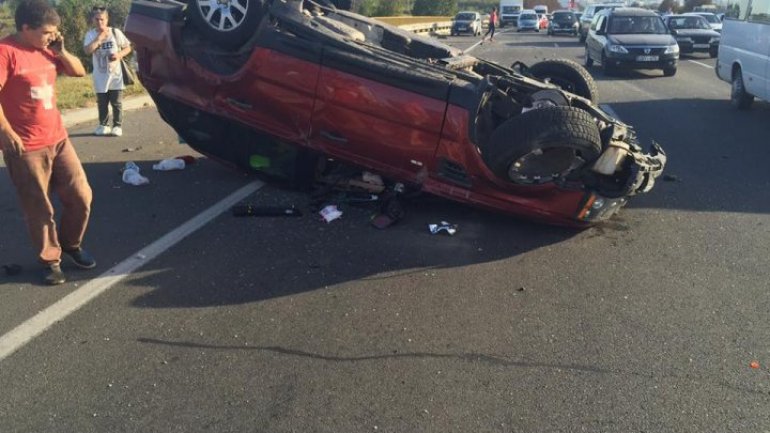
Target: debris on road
[
  {"x": 330, "y": 213},
  {"x": 188, "y": 159},
  {"x": 754, "y": 364},
  {"x": 252, "y": 210},
  {"x": 132, "y": 149},
  {"x": 169, "y": 164},
  {"x": 444, "y": 226},
  {"x": 131, "y": 175}
]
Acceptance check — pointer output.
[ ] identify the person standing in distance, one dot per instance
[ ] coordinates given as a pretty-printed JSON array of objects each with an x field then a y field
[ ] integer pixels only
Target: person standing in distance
[
  {"x": 36, "y": 148},
  {"x": 107, "y": 45},
  {"x": 492, "y": 24}
]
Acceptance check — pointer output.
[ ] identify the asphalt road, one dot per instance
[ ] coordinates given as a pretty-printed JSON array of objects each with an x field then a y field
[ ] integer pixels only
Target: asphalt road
[{"x": 648, "y": 323}]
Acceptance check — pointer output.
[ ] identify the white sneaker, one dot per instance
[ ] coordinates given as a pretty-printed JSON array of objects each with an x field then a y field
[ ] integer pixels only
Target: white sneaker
[
  {"x": 117, "y": 131},
  {"x": 103, "y": 130}
]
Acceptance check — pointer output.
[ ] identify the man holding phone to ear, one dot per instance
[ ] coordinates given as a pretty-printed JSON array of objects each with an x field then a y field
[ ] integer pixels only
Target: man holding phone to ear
[{"x": 37, "y": 151}]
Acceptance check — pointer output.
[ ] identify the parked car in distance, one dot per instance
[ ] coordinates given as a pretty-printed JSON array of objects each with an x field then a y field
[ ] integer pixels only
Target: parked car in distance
[
  {"x": 693, "y": 34},
  {"x": 528, "y": 20},
  {"x": 714, "y": 21},
  {"x": 631, "y": 38},
  {"x": 467, "y": 22},
  {"x": 313, "y": 88},
  {"x": 563, "y": 22},
  {"x": 588, "y": 16}
]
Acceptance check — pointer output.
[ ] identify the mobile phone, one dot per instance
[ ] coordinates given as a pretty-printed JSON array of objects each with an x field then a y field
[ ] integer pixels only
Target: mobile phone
[{"x": 56, "y": 44}]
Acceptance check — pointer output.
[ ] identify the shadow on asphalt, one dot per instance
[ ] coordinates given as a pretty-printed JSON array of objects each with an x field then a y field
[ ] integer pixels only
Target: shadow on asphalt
[{"x": 254, "y": 259}]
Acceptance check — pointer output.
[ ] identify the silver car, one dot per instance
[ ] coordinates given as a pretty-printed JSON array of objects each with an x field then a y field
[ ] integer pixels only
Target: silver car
[{"x": 528, "y": 20}]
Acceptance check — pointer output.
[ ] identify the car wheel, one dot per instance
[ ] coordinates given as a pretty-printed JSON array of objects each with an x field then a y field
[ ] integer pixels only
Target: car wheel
[
  {"x": 228, "y": 23},
  {"x": 713, "y": 52},
  {"x": 669, "y": 72},
  {"x": 588, "y": 61},
  {"x": 568, "y": 75},
  {"x": 582, "y": 38},
  {"x": 739, "y": 98},
  {"x": 543, "y": 145}
]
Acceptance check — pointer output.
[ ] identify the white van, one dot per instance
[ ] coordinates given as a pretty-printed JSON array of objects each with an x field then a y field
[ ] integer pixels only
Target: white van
[
  {"x": 744, "y": 51},
  {"x": 509, "y": 11}
]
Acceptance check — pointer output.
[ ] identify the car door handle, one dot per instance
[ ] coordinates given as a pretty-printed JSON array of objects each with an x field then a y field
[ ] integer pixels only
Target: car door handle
[
  {"x": 240, "y": 104},
  {"x": 333, "y": 137}
]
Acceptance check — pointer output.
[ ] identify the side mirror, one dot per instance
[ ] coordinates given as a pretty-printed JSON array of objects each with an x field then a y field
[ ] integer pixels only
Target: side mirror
[
  {"x": 674, "y": 32},
  {"x": 601, "y": 31}
]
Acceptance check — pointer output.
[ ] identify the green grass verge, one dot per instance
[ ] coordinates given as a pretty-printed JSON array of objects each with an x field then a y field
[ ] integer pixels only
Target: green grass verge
[{"x": 78, "y": 92}]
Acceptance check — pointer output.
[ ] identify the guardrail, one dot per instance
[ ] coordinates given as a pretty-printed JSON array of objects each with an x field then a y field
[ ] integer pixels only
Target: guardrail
[{"x": 438, "y": 28}]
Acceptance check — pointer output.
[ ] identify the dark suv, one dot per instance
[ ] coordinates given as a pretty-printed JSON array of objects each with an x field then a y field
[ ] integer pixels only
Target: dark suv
[
  {"x": 588, "y": 15},
  {"x": 631, "y": 38},
  {"x": 293, "y": 86}
]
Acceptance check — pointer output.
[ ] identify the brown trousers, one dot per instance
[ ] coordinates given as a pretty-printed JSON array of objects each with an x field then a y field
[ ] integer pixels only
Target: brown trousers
[{"x": 36, "y": 175}]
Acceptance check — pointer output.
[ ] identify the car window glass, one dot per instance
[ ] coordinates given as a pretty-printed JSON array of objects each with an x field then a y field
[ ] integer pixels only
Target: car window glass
[
  {"x": 564, "y": 17},
  {"x": 465, "y": 17},
  {"x": 688, "y": 23},
  {"x": 595, "y": 23},
  {"x": 712, "y": 18},
  {"x": 636, "y": 25},
  {"x": 528, "y": 16},
  {"x": 760, "y": 11},
  {"x": 736, "y": 9}
]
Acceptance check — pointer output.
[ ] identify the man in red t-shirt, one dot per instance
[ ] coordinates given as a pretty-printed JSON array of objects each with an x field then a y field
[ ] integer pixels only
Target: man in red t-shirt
[{"x": 36, "y": 149}]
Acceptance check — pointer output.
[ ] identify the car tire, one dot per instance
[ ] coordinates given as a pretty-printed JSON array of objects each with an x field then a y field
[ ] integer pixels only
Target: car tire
[
  {"x": 739, "y": 98},
  {"x": 588, "y": 62},
  {"x": 582, "y": 38},
  {"x": 568, "y": 75},
  {"x": 713, "y": 52},
  {"x": 543, "y": 145},
  {"x": 669, "y": 72},
  {"x": 241, "y": 28}
]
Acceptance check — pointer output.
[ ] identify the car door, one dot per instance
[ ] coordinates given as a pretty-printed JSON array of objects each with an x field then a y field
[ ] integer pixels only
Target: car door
[
  {"x": 378, "y": 113},
  {"x": 275, "y": 92},
  {"x": 595, "y": 41}
]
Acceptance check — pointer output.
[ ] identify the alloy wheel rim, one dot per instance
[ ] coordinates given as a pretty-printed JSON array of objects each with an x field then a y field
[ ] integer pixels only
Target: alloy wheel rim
[{"x": 223, "y": 15}]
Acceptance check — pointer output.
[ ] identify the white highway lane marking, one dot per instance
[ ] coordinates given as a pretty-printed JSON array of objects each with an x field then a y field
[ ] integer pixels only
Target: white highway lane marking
[
  {"x": 701, "y": 64},
  {"x": 36, "y": 325},
  {"x": 482, "y": 40}
]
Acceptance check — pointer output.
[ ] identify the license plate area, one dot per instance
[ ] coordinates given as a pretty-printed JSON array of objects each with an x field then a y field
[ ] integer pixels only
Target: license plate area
[
  {"x": 647, "y": 58},
  {"x": 700, "y": 46}
]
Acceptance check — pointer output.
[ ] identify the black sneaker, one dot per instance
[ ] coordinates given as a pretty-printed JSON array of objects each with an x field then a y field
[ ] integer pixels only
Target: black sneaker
[
  {"x": 81, "y": 258},
  {"x": 55, "y": 276}
]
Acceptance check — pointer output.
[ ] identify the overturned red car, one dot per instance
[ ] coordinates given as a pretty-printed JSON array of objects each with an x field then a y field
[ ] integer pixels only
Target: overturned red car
[{"x": 293, "y": 82}]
